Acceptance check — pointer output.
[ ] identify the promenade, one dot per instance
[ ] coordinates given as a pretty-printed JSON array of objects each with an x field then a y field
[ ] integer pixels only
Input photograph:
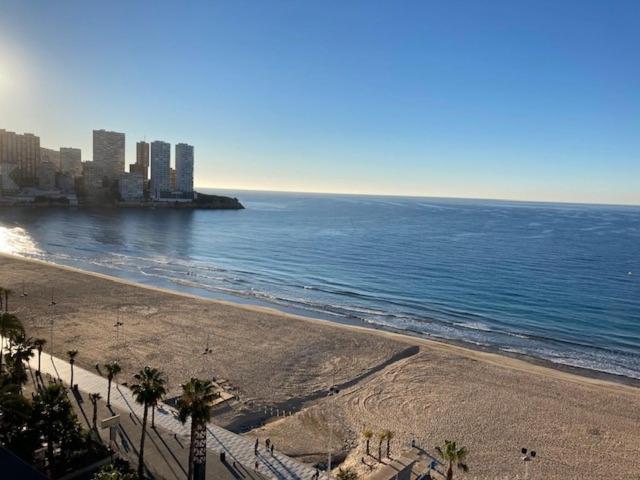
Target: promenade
[{"x": 237, "y": 448}]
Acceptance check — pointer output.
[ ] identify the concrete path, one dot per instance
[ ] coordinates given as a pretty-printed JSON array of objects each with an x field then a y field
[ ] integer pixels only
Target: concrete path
[{"x": 236, "y": 447}]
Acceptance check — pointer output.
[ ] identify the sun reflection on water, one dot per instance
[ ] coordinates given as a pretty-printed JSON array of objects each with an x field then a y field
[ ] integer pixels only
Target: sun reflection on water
[{"x": 16, "y": 241}]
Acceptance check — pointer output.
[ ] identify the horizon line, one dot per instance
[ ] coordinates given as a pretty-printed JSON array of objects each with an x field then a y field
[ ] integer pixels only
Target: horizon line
[{"x": 397, "y": 195}]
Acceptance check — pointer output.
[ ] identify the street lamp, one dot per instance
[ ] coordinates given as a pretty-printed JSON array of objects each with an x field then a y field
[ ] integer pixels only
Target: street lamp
[
  {"x": 333, "y": 390},
  {"x": 52, "y": 304},
  {"x": 527, "y": 457},
  {"x": 117, "y": 326}
]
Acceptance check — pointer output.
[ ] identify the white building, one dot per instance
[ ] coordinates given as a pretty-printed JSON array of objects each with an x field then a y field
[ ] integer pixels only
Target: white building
[
  {"x": 131, "y": 187},
  {"x": 184, "y": 168},
  {"x": 160, "y": 169},
  {"x": 108, "y": 153}
]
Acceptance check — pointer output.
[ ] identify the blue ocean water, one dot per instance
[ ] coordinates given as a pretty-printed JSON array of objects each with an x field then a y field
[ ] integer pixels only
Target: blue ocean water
[{"x": 554, "y": 281}]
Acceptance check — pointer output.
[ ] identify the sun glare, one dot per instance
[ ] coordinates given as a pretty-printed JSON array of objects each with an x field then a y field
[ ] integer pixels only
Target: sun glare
[{"x": 16, "y": 241}]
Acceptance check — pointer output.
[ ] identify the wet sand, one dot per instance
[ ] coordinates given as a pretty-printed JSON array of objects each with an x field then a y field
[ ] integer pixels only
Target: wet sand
[{"x": 581, "y": 426}]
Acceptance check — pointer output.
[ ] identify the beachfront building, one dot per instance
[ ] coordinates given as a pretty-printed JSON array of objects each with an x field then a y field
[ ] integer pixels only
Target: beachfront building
[
  {"x": 142, "y": 160},
  {"x": 184, "y": 168},
  {"x": 19, "y": 160},
  {"x": 160, "y": 169},
  {"x": 172, "y": 179},
  {"x": 71, "y": 161},
  {"x": 50, "y": 155},
  {"x": 108, "y": 153},
  {"x": 131, "y": 187},
  {"x": 47, "y": 175}
]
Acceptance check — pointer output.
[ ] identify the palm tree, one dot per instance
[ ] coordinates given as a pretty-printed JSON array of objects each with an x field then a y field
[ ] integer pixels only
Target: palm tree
[
  {"x": 382, "y": 435},
  {"x": 148, "y": 390},
  {"x": 113, "y": 369},
  {"x": 367, "y": 434},
  {"x": 22, "y": 352},
  {"x": 389, "y": 435},
  {"x": 195, "y": 402},
  {"x": 9, "y": 325},
  {"x": 39, "y": 343},
  {"x": 72, "y": 359},
  {"x": 94, "y": 397},
  {"x": 346, "y": 474},
  {"x": 451, "y": 454}
]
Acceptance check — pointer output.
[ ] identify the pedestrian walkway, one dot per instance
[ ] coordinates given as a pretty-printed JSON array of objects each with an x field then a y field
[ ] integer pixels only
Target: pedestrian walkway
[{"x": 237, "y": 448}]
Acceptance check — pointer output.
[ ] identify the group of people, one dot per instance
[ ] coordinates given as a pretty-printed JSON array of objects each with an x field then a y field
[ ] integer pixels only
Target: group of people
[{"x": 268, "y": 444}]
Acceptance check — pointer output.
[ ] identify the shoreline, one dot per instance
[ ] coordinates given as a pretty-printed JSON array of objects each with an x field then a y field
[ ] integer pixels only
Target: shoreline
[{"x": 490, "y": 355}]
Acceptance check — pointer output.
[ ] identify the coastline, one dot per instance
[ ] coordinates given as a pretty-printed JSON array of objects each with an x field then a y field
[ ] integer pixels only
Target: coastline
[
  {"x": 491, "y": 355},
  {"x": 421, "y": 389}
]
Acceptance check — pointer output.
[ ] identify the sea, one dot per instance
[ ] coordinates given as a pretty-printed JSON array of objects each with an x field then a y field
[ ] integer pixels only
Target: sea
[{"x": 558, "y": 282}]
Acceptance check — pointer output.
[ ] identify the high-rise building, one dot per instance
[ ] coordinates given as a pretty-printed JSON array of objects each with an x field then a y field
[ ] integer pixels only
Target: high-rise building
[
  {"x": 50, "y": 155},
  {"x": 108, "y": 153},
  {"x": 172, "y": 179},
  {"x": 47, "y": 175},
  {"x": 142, "y": 159},
  {"x": 71, "y": 161},
  {"x": 184, "y": 168},
  {"x": 19, "y": 160},
  {"x": 131, "y": 187},
  {"x": 160, "y": 169}
]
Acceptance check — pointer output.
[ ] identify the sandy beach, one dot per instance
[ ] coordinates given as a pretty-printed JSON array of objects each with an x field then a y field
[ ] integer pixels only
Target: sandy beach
[{"x": 582, "y": 427}]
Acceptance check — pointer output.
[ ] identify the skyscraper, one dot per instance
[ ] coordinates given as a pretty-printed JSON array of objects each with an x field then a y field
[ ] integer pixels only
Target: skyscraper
[
  {"x": 160, "y": 169},
  {"x": 19, "y": 160},
  {"x": 142, "y": 159},
  {"x": 71, "y": 161},
  {"x": 184, "y": 168},
  {"x": 108, "y": 152}
]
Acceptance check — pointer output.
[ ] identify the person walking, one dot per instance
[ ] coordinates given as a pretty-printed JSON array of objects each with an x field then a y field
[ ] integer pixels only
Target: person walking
[
  {"x": 272, "y": 449},
  {"x": 255, "y": 447}
]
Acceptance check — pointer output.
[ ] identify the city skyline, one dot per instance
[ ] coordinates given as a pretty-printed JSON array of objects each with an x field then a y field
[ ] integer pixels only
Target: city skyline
[{"x": 535, "y": 104}]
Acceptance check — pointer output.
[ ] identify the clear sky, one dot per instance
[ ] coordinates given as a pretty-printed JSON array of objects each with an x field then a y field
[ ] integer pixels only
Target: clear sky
[{"x": 533, "y": 100}]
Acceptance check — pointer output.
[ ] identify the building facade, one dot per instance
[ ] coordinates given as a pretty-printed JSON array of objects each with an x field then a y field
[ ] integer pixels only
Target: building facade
[
  {"x": 160, "y": 169},
  {"x": 184, "y": 168},
  {"x": 47, "y": 175},
  {"x": 142, "y": 159},
  {"x": 19, "y": 160},
  {"x": 131, "y": 187},
  {"x": 71, "y": 161},
  {"x": 50, "y": 155},
  {"x": 108, "y": 153}
]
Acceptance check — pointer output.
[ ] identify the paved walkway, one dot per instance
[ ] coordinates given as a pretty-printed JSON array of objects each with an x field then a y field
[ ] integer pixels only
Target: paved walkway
[{"x": 236, "y": 447}]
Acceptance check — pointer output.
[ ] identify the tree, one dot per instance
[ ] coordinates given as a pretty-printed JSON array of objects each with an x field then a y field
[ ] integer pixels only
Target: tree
[
  {"x": 15, "y": 412},
  {"x": 368, "y": 434},
  {"x": 39, "y": 343},
  {"x": 9, "y": 326},
  {"x": 389, "y": 436},
  {"x": 346, "y": 474},
  {"x": 72, "y": 354},
  {"x": 22, "y": 352},
  {"x": 111, "y": 472},
  {"x": 195, "y": 402},
  {"x": 53, "y": 418},
  {"x": 94, "y": 397},
  {"x": 453, "y": 455},
  {"x": 382, "y": 435},
  {"x": 113, "y": 369},
  {"x": 148, "y": 390}
]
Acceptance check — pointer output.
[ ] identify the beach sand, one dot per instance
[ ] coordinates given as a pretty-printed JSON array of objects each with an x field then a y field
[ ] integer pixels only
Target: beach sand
[{"x": 582, "y": 427}]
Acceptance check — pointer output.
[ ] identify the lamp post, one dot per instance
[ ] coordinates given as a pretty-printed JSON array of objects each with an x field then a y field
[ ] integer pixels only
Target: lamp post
[
  {"x": 333, "y": 390},
  {"x": 117, "y": 326},
  {"x": 52, "y": 304},
  {"x": 527, "y": 457}
]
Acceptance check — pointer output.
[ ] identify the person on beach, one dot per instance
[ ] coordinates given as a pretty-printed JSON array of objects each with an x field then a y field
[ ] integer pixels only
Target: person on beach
[
  {"x": 255, "y": 447},
  {"x": 267, "y": 442},
  {"x": 272, "y": 449}
]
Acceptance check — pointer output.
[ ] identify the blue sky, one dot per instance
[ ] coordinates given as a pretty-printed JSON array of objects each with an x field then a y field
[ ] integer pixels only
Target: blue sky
[{"x": 529, "y": 100}]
